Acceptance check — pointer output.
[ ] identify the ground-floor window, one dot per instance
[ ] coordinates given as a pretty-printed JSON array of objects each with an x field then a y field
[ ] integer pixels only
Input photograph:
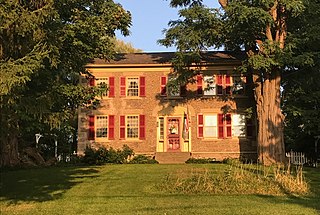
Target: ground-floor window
[{"x": 223, "y": 126}]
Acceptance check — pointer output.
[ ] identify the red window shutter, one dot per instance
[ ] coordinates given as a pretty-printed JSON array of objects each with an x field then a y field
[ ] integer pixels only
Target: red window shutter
[
  {"x": 122, "y": 127},
  {"x": 111, "y": 86},
  {"x": 92, "y": 81},
  {"x": 142, "y": 127},
  {"x": 163, "y": 83},
  {"x": 111, "y": 127},
  {"x": 142, "y": 86},
  {"x": 228, "y": 84},
  {"x": 219, "y": 80},
  {"x": 200, "y": 126},
  {"x": 220, "y": 126},
  {"x": 122, "y": 86},
  {"x": 228, "y": 125},
  {"x": 199, "y": 85},
  {"x": 91, "y": 128}
]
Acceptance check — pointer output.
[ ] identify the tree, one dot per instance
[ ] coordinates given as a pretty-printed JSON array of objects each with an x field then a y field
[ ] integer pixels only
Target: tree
[
  {"x": 123, "y": 47},
  {"x": 44, "y": 46},
  {"x": 301, "y": 89},
  {"x": 259, "y": 28}
]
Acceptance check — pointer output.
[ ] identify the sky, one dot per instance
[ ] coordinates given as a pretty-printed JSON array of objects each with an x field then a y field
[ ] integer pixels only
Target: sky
[{"x": 149, "y": 18}]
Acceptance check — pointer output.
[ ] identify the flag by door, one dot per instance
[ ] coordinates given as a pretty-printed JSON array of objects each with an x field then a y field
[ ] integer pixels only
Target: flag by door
[{"x": 185, "y": 133}]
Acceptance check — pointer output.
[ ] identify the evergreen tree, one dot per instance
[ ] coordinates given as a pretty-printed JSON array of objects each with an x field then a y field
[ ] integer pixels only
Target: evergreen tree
[{"x": 44, "y": 46}]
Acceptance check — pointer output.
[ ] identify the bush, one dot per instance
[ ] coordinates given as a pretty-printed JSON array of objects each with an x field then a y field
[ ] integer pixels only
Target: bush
[
  {"x": 201, "y": 160},
  {"x": 102, "y": 155},
  {"x": 142, "y": 159}
]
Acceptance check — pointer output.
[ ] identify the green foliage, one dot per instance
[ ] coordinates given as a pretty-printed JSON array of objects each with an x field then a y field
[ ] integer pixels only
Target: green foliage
[
  {"x": 143, "y": 159},
  {"x": 201, "y": 160},
  {"x": 44, "y": 47},
  {"x": 301, "y": 94},
  {"x": 103, "y": 155}
]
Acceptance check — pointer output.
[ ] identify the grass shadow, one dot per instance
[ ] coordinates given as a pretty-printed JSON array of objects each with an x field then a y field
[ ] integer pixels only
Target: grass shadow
[
  {"x": 312, "y": 200},
  {"x": 43, "y": 184}
]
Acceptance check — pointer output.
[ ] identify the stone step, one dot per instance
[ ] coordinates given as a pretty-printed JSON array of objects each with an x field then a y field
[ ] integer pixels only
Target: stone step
[{"x": 172, "y": 157}]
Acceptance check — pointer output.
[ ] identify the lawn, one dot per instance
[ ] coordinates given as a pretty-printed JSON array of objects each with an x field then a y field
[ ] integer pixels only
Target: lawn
[{"x": 132, "y": 189}]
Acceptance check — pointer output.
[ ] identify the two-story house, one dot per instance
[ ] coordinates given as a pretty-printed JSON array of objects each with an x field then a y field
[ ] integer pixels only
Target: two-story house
[{"x": 203, "y": 119}]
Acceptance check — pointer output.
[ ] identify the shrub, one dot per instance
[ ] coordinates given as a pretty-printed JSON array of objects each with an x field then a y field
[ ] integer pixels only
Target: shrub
[
  {"x": 143, "y": 159},
  {"x": 201, "y": 160},
  {"x": 103, "y": 155}
]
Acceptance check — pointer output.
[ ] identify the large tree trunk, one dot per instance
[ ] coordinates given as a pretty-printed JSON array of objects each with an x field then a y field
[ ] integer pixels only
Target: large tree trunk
[
  {"x": 9, "y": 152},
  {"x": 270, "y": 118}
]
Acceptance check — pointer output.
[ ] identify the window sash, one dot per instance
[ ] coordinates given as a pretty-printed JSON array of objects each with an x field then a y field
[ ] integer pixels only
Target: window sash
[
  {"x": 132, "y": 126},
  {"x": 209, "y": 88},
  {"x": 133, "y": 86},
  {"x": 101, "y": 126},
  {"x": 103, "y": 82}
]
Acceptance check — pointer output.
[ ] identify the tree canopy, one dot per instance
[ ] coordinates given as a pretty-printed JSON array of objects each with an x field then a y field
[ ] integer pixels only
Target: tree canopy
[
  {"x": 44, "y": 46},
  {"x": 258, "y": 28}
]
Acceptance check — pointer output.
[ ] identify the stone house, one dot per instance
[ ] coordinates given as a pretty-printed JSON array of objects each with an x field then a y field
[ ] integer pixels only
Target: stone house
[{"x": 204, "y": 119}]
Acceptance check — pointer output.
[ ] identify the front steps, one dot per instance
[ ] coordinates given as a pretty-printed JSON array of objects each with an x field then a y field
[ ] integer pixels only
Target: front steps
[{"x": 172, "y": 157}]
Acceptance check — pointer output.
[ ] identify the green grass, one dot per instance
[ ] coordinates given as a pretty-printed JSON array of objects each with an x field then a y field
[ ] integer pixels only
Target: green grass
[{"x": 132, "y": 189}]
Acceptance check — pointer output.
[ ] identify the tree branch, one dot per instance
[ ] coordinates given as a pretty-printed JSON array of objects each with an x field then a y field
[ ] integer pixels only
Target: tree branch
[{"x": 223, "y": 3}]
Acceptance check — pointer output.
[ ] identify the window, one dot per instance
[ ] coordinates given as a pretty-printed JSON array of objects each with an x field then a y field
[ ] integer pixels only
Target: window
[
  {"x": 224, "y": 126},
  {"x": 161, "y": 128},
  {"x": 223, "y": 84},
  {"x": 132, "y": 127},
  {"x": 132, "y": 86},
  {"x": 210, "y": 126},
  {"x": 209, "y": 87},
  {"x": 238, "y": 86},
  {"x": 103, "y": 82},
  {"x": 102, "y": 126},
  {"x": 238, "y": 125},
  {"x": 168, "y": 87},
  {"x": 172, "y": 87}
]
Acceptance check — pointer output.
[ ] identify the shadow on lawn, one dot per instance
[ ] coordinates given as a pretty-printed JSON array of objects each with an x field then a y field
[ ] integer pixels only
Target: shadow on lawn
[
  {"x": 42, "y": 184},
  {"x": 312, "y": 200}
]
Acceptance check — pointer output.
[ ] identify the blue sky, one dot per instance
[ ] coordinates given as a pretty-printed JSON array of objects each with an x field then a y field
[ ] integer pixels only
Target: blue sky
[{"x": 149, "y": 18}]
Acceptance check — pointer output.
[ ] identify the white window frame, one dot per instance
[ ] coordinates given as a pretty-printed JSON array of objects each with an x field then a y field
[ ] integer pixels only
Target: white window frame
[
  {"x": 238, "y": 125},
  {"x": 101, "y": 122},
  {"x": 128, "y": 88},
  {"x": 134, "y": 126},
  {"x": 103, "y": 81},
  {"x": 213, "y": 124},
  {"x": 239, "y": 85},
  {"x": 209, "y": 85}
]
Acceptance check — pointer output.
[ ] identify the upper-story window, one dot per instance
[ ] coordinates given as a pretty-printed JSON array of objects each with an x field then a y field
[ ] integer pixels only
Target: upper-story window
[
  {"x": 103, "y": 82},
  {"x": 106, "y": 82},
  {"x": 238, "y": 85},
  {"x": 211, "y": 85},
  {"x": 168, "y": 87},
  {"x": 132, "y": 86}
]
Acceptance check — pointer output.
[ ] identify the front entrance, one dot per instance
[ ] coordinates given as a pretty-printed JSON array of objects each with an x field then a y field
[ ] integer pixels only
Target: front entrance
[{"x": 173, "y": 134}]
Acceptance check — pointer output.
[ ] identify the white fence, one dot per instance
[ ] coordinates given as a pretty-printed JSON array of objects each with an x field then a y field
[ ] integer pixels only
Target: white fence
[{"x": 297, "y": 158}]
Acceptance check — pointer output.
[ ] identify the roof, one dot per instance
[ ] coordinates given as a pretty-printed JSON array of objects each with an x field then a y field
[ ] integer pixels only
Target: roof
[{"x": 212, "y": 57}]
